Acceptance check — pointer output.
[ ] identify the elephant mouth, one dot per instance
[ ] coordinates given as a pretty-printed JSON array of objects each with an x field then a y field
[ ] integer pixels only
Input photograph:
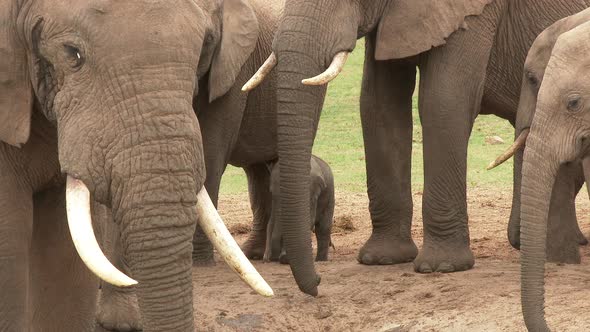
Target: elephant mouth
[{"x": 80, "y": 225}]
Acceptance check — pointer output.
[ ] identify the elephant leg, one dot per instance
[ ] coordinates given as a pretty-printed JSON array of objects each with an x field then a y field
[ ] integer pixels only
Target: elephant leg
[
  {"x": 563, "y": 229},
  {"x": 274, "y": 240},
  {"x": 578, "y": 183},
  {"x": 220, "y": 123},
  {"x": 118, "y": 309},
  {"x": 16, "y": 223},
  {"x": 323, "y": 232},
  {"x": 261, "y": 203},
  {"x": 386, "y": 114},
  {"x": 215, "y": 165},
  {"x": 452, "y": 79},
  {"x": 203, "y": 248},
  {"x": 63, "y": 289}
]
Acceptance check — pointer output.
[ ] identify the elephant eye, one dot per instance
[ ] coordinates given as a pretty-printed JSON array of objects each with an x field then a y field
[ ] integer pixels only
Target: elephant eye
[
  {"x": 74, "y": 56},
  {"x": 574, "y": 103},
  {"x": 531, "y": 78}
]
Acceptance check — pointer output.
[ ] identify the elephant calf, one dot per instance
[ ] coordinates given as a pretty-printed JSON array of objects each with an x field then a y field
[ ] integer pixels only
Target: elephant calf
[
  {"x": 559, "y": 135},
  {"x": 321, "y": 211}
]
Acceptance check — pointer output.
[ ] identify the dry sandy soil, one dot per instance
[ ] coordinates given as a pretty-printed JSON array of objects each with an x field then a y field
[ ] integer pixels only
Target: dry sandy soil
[{"x": 354, "y": 297}]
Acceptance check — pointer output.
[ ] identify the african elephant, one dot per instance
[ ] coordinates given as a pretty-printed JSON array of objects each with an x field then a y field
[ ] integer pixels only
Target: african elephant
[
  {"x": 95, "y": 105},
  {"x": 565, "y": 234},
  {"x": 237, "y": 128},
  {"x": 470, "y": 55},
  {"x": 559, "y": 135},
  {"x": 321, "y": 203}
]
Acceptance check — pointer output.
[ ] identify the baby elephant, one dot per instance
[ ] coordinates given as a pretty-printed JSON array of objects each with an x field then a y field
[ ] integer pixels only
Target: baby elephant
[{"x": 322, "y": 211}]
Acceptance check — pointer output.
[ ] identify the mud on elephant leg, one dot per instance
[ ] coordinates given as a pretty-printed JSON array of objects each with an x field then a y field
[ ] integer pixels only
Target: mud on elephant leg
[
  {"x": 386, "y": 114},
  {"x": 261, "y": 203},
  {"x": 447, "y": 119}
]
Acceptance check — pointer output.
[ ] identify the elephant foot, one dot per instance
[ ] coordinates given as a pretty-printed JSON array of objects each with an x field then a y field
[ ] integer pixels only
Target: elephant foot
[
  {"x": 567, "y": 253},
  {"x": 203, "y": 254},
  {"x": 514, "y": 234},
  {"x": 283, "y": 258},
  {"x": 254, "y": 247},
  {"x": 443, "y": 257},
  {"x": 386, "y": 249},
  {"x": 203, "y": 262},
  {"x": 581, "y": 238},
  {"x": 203, "y": 257},
  {"x": 118, "y": 311},
  {"x": 323, "y": 257}
]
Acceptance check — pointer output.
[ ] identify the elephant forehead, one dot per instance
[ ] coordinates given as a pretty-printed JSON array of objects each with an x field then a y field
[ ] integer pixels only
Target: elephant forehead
[{"x": 157, "y": 22}]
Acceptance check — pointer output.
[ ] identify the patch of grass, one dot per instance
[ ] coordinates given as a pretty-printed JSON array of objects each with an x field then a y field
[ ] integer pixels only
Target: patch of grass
[{"x": 340, "y": 142}]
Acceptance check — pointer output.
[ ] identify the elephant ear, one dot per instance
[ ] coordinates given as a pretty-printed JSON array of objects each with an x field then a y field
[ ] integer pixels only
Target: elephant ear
[
  {"x": 16, "y": 94},
  {"x": 410, "y": 27},
  {"x": 238, "y": 40}
]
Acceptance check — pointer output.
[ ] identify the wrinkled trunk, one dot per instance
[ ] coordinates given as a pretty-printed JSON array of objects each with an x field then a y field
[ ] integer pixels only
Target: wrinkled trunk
[
  {"x": 539, "y": 173},
  {"x": 154, "y": 183},
  {"x": 514, "y": 224},
  {"x": 299, "y": 109}
]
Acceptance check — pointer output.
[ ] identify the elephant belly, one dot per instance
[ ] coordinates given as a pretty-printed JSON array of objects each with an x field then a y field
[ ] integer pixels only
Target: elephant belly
[{"x": 257, "y": 141}]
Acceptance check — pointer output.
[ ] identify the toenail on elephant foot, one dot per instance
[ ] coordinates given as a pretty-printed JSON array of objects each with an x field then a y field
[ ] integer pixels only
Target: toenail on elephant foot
[
  {"x": 383, "y": 250},
  {"x": 423, "y": 268},
  {"x": 438, "y": 258}
]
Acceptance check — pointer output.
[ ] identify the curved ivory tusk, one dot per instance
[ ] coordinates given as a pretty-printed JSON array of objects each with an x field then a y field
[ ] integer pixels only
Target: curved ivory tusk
[
  {"x": 227, "y": 247},
  {"x": 261, "y": 74},
  {"x": 80, "y": 224},
  {"x": 519, "y": 143},
  {"x": 331, "y": 73}
]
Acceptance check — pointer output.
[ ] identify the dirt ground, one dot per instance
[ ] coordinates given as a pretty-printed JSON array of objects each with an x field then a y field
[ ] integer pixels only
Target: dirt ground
[{"x": 355, "y": 297}]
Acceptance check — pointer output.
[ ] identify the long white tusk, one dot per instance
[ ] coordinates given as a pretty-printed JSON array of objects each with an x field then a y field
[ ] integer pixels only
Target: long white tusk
[
  {"x": 331, "y": 73},
  {"x": 80, "y": 224},
  {"x": 227, "y": 247},
  {"x": 261, "y": 74},
  {"x": 519, "y": 143}
]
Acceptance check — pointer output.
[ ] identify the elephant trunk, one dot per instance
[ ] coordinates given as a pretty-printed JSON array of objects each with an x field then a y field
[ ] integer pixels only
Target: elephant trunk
[
  {"x": 539, "y": 173},
  {"x": 156, "y": 170},
  {"x": 514, "y": 233},
  {"x": 298, "y": 111},
  {"x": 157, "y": 217}
]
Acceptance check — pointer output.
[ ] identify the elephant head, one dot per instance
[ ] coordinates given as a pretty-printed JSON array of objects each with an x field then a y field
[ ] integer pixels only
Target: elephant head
[
  {"x": 534, "y": 71},
  {"x": 317, "y": 38},
  {"x": 558, "y": 135},
  {"x": 116, "y": 81}
]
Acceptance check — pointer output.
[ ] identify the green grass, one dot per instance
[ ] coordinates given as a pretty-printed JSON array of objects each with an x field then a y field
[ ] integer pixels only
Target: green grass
[{"x": 340, "y": 143}]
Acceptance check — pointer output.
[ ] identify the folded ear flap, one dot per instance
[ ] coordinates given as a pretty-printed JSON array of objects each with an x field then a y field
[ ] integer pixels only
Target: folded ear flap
[
  {"x": 238, "y": 41},
  {"x": 16, "y": 94},
  {"x": 410, "y": 27}
]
